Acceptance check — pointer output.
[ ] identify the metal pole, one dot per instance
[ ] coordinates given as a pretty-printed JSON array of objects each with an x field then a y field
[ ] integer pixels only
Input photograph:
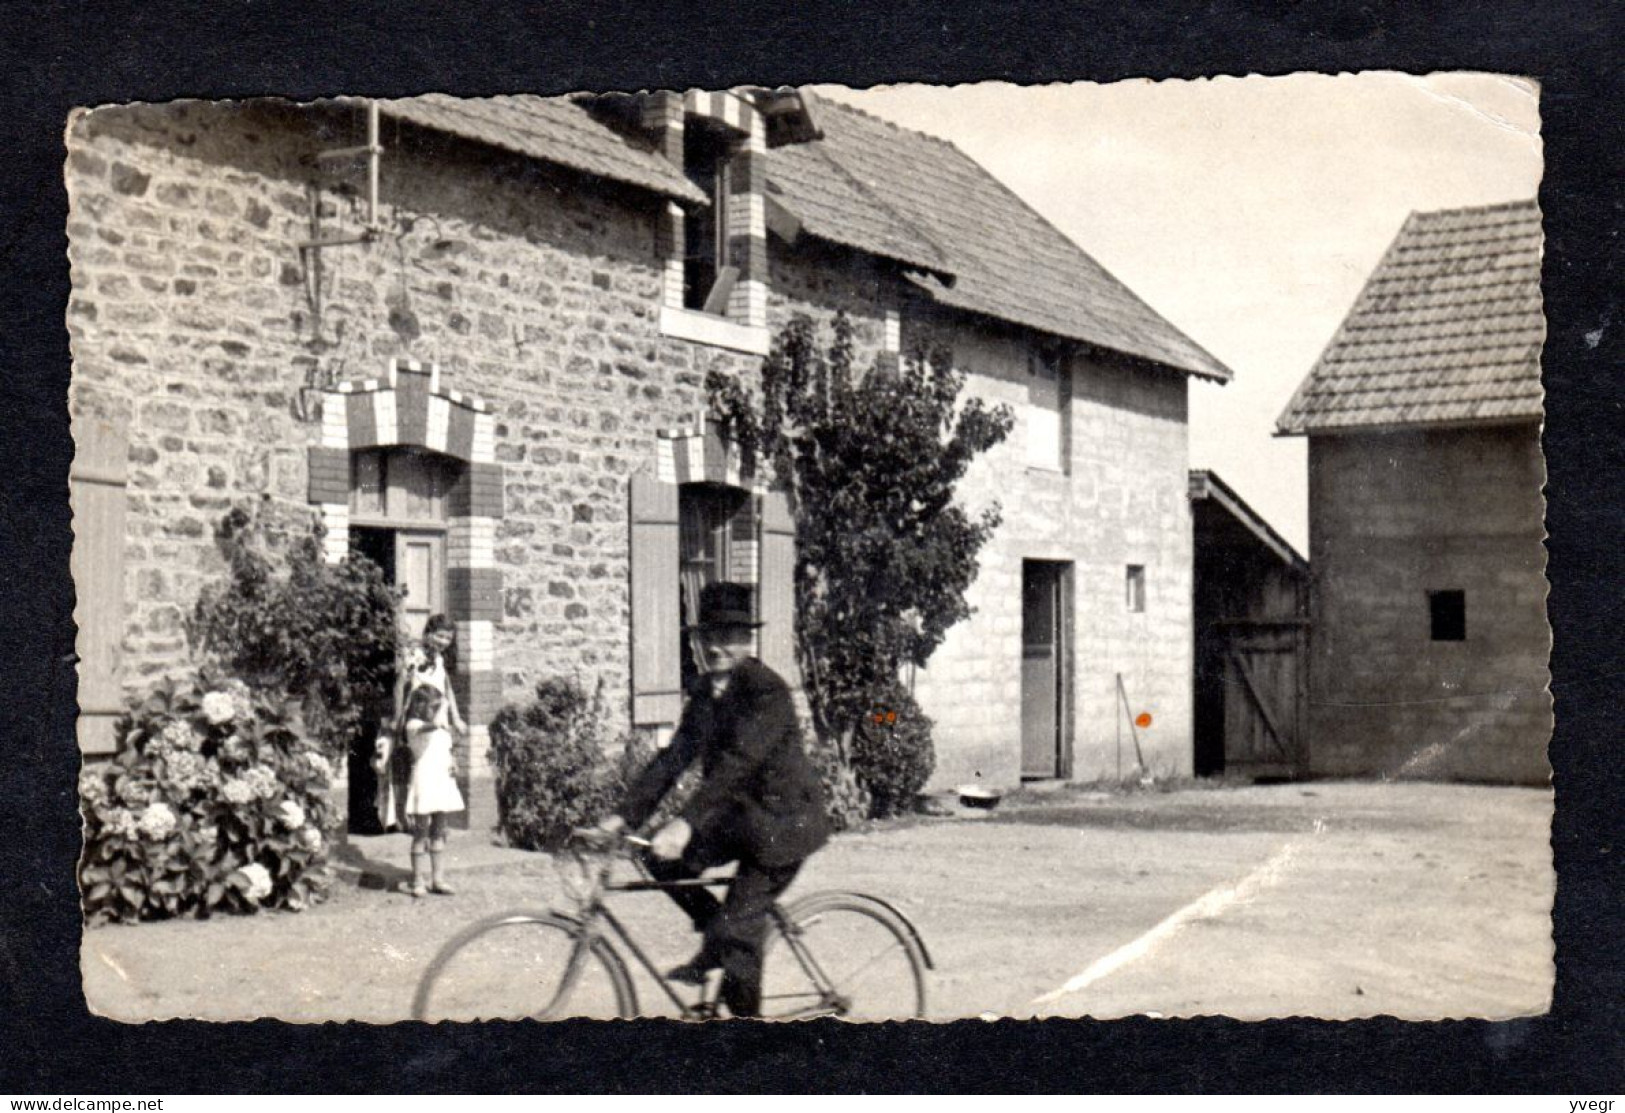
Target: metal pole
[{"x": 374, "y": 150}]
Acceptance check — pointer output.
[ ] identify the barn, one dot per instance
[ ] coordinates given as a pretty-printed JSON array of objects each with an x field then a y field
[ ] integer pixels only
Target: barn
[
  {"x": 1430, "y": 642},
  {"x": 1250, "y": 595}
]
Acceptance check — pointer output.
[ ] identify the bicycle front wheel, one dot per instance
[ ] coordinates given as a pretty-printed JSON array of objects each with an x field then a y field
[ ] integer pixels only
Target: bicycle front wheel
[
  {"x": 518, "y": 965},
  {"x": 846, "y": 955}
]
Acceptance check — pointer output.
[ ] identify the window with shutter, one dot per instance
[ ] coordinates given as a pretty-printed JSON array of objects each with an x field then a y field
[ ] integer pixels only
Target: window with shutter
[
  {"x": 97, "y": 493},
  {"x": 657, "y": 697},
  {"x": 776, "y": 593},
  {"x": 707, "y": 278},
  {"x": 707, "y": 513}
]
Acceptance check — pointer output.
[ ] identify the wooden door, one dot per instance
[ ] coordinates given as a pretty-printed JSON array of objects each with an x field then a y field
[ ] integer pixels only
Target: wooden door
[
  {"x": 1263, "y": 701},
  {"x": 1043, "y": 641},
  {"x": 97, "y": 494},
  {"x": 420, "y": 569}
]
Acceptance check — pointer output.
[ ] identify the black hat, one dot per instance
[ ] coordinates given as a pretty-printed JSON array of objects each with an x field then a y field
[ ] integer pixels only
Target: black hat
[{"x": 724, "y": 605}]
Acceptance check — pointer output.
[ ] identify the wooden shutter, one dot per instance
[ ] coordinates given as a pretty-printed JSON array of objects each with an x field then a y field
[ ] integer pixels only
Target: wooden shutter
[
  {"x": 777, "y": 587},
  {"x": 97, "y": 494},
  {"x": 657, "y": 695}
]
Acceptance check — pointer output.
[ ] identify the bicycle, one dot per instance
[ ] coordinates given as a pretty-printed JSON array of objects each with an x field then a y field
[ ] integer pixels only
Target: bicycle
[{"x": 828, "y": 953}]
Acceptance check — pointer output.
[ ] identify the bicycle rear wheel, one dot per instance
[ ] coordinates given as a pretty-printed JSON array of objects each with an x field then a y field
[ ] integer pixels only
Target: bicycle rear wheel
[
  {"x": 845, "y": 955},
  {"x": 523, "y": 964}
]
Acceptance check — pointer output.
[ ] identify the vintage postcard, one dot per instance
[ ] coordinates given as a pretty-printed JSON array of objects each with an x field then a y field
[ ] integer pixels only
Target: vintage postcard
[{"x": 915, "y": 552}]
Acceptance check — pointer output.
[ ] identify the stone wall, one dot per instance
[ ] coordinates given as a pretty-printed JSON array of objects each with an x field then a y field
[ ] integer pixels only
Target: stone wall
[
  {"x": 1123, "y": 501},
  {"x": 1392, "y": 517},
  {"x": 196, "y": 317},
  {"x": 196, "y": 321}
]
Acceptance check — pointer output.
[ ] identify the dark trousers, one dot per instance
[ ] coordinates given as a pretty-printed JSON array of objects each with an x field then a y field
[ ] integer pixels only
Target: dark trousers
[{"x": 734, "y": 928}]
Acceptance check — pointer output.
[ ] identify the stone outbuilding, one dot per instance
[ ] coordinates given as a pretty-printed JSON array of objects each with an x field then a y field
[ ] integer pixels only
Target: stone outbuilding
[
  {"x": 472, "y": 338},
  {"x": 1430, "y": 641}
]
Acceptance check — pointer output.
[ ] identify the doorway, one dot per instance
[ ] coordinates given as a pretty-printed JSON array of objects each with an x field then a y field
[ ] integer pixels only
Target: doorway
[
  {"x": 414, "y": 560},
  {"x": 1046, "y": 669}
]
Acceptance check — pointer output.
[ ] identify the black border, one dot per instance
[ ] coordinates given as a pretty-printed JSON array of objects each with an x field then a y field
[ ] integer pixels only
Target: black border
[{"x": 59, "y": 56}]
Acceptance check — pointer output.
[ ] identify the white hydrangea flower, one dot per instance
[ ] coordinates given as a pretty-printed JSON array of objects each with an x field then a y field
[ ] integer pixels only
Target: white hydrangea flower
[
  {"x": 237, "y": 791},
  {"x": 291, "y": 814},
  {"x": 219, "y": 707},
  {"x": 92, "y": 787},
  {"x": 259, "y": 881},
  {"x": 263, "y": 781},
  {"x": 120, "y": 821},
  {"x": 134, "y": 792},
  {"x": 157, "y": 821},
  {"x": 310, "y": 838},
  {"x": 185, "y": 771},
  {"x": 318, "y": 763}
]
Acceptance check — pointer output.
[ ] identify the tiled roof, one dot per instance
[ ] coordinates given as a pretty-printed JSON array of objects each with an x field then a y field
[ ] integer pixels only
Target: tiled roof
[
  {"x": 831, "y": 205},
  {"x": 555, "y": 129},
  {"x": 880, "y": 188},
  {"x": 1447, "y": 329}
]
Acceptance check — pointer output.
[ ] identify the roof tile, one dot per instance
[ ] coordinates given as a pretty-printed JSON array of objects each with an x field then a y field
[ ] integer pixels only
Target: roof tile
[
  {"x": 1447, "y": 329},
  {"x": 922, "y": 196},
  {"x": 555, "y": 129}
]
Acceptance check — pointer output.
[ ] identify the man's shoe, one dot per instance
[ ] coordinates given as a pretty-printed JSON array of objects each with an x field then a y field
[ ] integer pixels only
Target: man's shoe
[{"x": 692, "y": 972}]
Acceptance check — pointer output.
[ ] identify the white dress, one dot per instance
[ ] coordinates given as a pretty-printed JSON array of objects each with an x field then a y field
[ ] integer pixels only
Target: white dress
[{"x": 433, "y": 787}]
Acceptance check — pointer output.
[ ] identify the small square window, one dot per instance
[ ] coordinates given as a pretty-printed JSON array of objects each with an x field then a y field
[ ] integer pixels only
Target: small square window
[
  {"x": 1135, "y": 584},
  {"x": 1447, "y": 614}
]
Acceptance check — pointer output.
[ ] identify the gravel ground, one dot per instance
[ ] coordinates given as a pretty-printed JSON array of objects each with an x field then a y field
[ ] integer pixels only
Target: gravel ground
[{"x": 1335, "y": 900}]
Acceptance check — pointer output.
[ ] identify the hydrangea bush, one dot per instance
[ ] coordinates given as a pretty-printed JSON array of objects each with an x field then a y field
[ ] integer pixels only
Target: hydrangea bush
[{"x": 213, "y": 803}]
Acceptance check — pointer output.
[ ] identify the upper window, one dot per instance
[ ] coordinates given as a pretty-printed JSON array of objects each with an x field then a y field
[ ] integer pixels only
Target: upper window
[
  {"x": 1046, "y": 410},
  {"x": 1447, "y": 615},
  {"x": 707, "y": 278},
  {"x": 401, "y": 484}
]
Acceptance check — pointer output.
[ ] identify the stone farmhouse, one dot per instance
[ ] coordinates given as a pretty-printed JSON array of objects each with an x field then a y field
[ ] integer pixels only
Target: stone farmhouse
[
  {"x": 472, "y": 337},
  {"x": 1430, "y": 642}
]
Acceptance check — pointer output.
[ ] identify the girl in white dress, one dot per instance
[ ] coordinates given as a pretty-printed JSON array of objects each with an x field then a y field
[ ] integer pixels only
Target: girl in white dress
[
  {"x": 426, "y": 809},
  {"x": 432, "y": 794}
]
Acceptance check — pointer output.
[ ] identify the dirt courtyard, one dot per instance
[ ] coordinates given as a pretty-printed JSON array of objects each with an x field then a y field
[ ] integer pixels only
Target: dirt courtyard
[{"x": 1335, "y": 900}]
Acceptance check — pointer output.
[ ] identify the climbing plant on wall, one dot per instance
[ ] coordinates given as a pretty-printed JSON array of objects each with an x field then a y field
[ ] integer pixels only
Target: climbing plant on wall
[{"x": 871, "y": 459}]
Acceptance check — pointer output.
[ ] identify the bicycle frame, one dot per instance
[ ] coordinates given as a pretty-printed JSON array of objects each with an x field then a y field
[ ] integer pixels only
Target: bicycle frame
[{"x": 593, "y": 912}]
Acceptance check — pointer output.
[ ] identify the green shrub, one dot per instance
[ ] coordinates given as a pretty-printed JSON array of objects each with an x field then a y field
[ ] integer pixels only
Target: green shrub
[
  {"x": 213, "y": 802},
  {"x": 636, "y": 752},
  {"x": 289, "y": 623},
  {"x": 846, "y": 802},
  {"x": 892, "y": 755},
  {"x": 554, "y": 766}
]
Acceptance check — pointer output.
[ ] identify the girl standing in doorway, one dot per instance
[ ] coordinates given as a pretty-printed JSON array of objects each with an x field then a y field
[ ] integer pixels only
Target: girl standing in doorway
[
  {"x": 433, "y": 794},
  {"x": 428, "y": 665}
]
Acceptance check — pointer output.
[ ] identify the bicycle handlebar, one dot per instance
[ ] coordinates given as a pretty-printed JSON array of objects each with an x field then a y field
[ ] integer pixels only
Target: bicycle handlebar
[{"x": 591, "y": 838}]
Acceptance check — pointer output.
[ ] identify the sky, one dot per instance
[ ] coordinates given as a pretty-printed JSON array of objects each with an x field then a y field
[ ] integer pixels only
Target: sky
[{"x": 1247, "y": 211}]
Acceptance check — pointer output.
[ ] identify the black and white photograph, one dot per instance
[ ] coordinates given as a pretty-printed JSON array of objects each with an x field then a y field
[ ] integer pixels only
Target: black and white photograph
[{"x": 782, "y": 552}]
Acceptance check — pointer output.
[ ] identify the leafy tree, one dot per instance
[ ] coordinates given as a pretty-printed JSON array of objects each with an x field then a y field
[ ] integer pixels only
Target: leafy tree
[
  {"x": 884, "y": 554},
  {"x": 324, "y": 636}
]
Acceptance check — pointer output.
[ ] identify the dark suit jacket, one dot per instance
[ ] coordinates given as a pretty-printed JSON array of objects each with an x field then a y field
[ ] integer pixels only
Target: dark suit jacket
[{"x": 760, "y": 794}]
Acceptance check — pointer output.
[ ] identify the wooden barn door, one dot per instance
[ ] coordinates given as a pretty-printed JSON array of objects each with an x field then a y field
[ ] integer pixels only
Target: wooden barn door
[
  {"x": 97, "y": 493},
  {"x": 1264, "y": 696}
]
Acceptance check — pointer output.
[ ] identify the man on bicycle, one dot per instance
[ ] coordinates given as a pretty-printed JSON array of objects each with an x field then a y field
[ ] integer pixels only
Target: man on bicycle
[{"x": 759, "y": 804}]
